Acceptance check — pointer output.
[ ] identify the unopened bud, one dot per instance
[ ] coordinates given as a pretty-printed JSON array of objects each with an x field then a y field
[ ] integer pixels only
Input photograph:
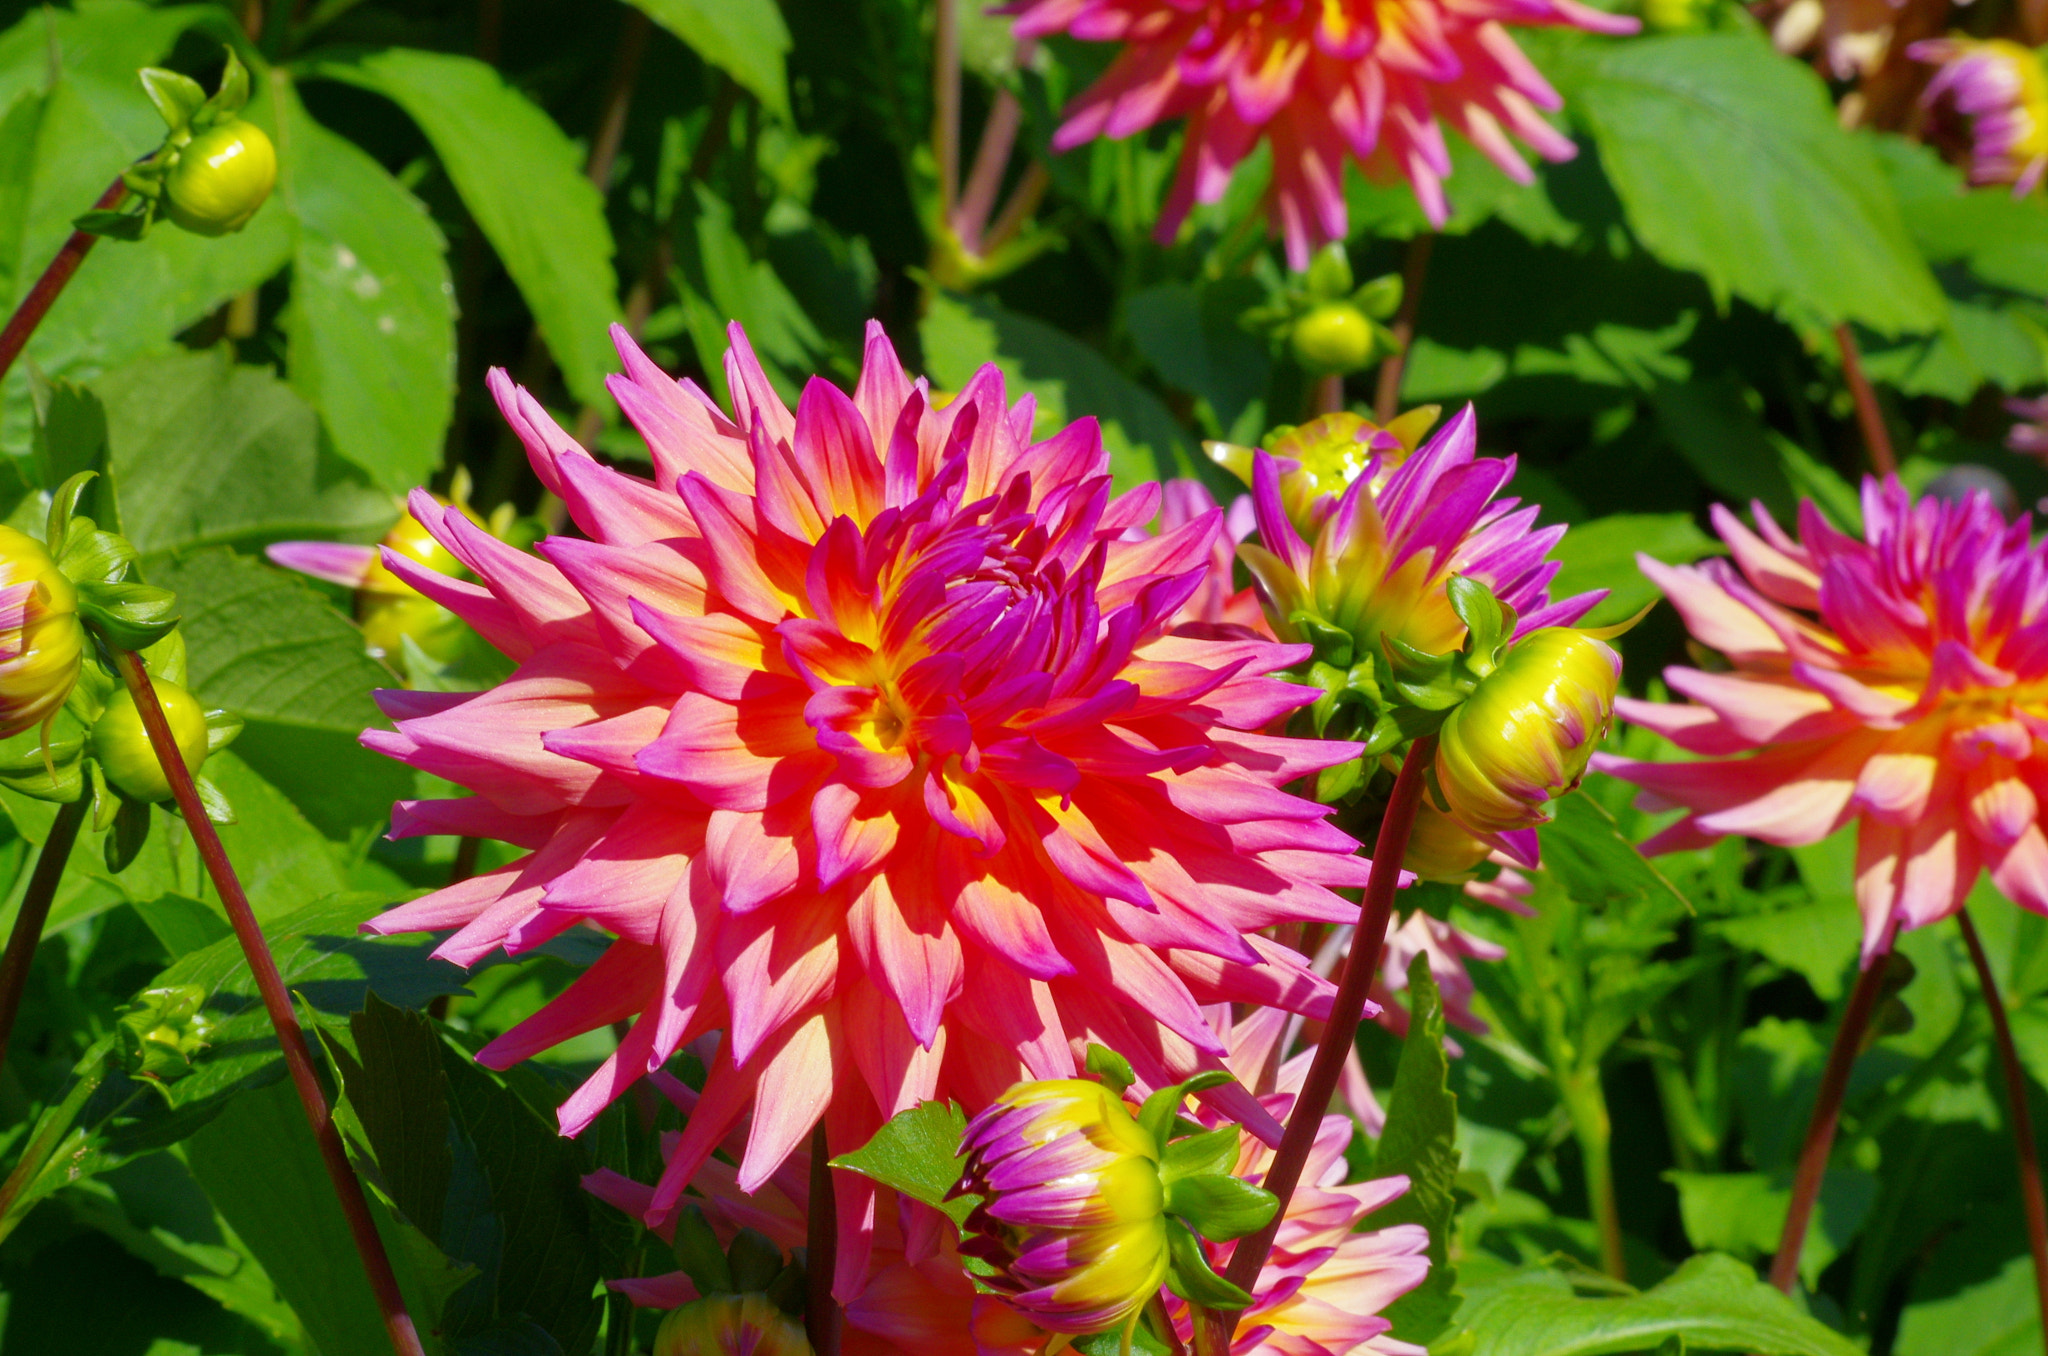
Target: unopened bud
[
  {"x": 220, "y": 178},
  {"x": 730, "y": 1325},
  {"x": 122, "y": 746},
  {"x": 41, "y": 640},
  {"x": 1333, "y": 337}
]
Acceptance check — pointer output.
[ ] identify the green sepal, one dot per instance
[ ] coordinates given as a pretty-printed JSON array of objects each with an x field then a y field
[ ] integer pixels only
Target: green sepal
[
  {"x": 221, "y": 729},
  {"x": 1200, "y": 1154},
  {"x": 1329, "y": 273},
  {"x": 89, "y": 555},
  {"x": 227, "y": 101},
  {"x": 1111, "y": 1068},
  {"x": 163, "y": 1030},
  {"x": 787, "y": 1291},
  {"x": 699, "y": 1255},
  {"x": 61, "y": 779},
  {"x": 114, "y": 225},
  {"x": 177, "y": 97},
  {"x": 63, "y": 504},
  {"x": 166, "y": 661},
  {"x": 755, "y": 1261},
  {"x": 1333, "y": 644},
  {"x": 90, "y": 694},
  {"x": 128, "y": 616},
  {"x": 1489, "y": 622},
  {"x": 1398, "y": 725},
  {"x": 1157, "y": 1115},
  {"x": 1220, "y": 1207},
  {"x": 214, "y": 801},
  {"x": 1379, "y": 298},
  {"x": 106, "y": 802},
  {"x": 1339, "y": 781},
  {"x": 130, "y": 831},
  {"x": 1192, "y": 1278}
]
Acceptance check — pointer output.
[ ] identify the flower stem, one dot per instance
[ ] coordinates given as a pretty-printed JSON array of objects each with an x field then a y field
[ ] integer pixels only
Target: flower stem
[
  {"x": 821, "y": 1250},
  {"x": 2022, "y": 1118},
  {"x": 991, "y": 157},
  {"x": 1340, "y": 1034},
  {"x": 35, "y": 911},
  {"x": 298, "y": 1057},
  {"x": 1586, "y": 1104},
  {"x": 43, "y": 295},
  {"x": 1827, "y": 1113},
  {"x": 1869, "y": 416},
  {"x": 946, "y": 104},
  {"x": 1386, "y": 399}
]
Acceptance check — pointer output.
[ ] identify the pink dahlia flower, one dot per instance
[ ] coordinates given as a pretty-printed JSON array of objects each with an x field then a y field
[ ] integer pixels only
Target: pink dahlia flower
[
  {"x": 862, "y": 731},
  {"x": 1989, "y": 102},
  {"x": 1325, "y": 1283},
  {"x": 1893, "y": 682},
  {"x": 2029, "y": 437},
  {"x": 1325, "y": 83}
]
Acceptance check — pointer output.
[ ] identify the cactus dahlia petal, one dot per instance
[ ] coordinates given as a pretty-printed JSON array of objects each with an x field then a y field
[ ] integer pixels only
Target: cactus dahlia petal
[
  {"x": 861, "y": 729},
  {"x": 1990, "y": 104},
  {"x": 1326, "y": 81},
  {"x": 1899, "y": 683}
]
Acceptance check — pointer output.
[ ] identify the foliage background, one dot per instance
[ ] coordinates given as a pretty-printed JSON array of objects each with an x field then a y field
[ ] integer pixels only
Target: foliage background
[{"x": 1647, "y": 327}]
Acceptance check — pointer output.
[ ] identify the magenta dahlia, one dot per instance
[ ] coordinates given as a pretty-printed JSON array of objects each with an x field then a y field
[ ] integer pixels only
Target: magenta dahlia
[{"x": 862, "y": 731}]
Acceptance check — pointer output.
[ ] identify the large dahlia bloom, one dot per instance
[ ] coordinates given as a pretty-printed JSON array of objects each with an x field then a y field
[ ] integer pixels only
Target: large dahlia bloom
[
  {"x": 862, "y": 731},
  {"x": 1989, "y": 103},
  {"x": 1326, "y": 81},
  {"x": 1899, "y": 682}
]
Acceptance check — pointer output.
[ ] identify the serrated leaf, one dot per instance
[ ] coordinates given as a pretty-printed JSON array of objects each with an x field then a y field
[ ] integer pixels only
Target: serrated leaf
[
  {"x": 1594, "y": 860},
  {"x": 520, "y": 177},
  {"x": 1712, "y": 1302},
  {"x": 1770, "y": 199},
  {"x": 1420, "y": 1141},
  {"x": 744, "y": 38},
  {"x": 372, "y": 321},
  {"x": 918, "y": 1154}
]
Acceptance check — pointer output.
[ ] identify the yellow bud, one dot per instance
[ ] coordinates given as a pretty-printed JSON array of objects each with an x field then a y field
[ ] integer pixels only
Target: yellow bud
[
  {"x": 42, "y": 641},
  {"x": 410, "y": 539},
  {"x": 221, "y": 177},
  {"x": 730, "y": 1325},
  {"x": 122, "y": 746},
  {"x": 1440, "y": 849},
  {"x": 1523, "y": 737},
  {"x": 1333, "y": 337}
]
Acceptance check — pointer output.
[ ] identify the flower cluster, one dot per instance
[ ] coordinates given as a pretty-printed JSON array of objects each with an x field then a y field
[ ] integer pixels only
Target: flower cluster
[{"x": 1325, "y": 84}]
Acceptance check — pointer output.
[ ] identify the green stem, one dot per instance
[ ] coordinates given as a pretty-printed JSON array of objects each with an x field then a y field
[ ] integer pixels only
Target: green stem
[
  {"x": 35, "y": 912},
  {"x": 1585, "y": 1101}
]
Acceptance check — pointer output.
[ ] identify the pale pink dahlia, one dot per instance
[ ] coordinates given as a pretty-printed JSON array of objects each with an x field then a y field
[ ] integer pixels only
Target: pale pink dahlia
[
  {"x": 1326, "y": 81},
  {"x": 861, "y": 729},
  {"x": 2029, "y": 436},
  {"x": 1899, "y": 682},
  {"x": 1989, "y": 101}
]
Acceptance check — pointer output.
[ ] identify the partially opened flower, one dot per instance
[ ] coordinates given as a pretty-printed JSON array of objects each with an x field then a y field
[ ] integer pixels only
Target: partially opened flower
[
  {"x": 1326, "y": 83},
  {"x": 2029, "y": 436},
  {"x": 1989, "y": 104},
  {"x": 862, "y": 730},
  {"x": 730, "y": 1325},
  {"x": 42, "y": 641},
  {"x": 1893, "y": 682}
]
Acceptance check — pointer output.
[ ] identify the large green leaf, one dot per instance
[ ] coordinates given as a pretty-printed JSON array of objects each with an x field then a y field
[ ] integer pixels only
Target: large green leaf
[
  {"x": 518, "y": 174},
  {"x": 206, "y": 453},
  {"x": 1602, "y": 555},
  {"x": 1189, "y": 332},
  {"x": 263, "y": 645},
  {"x": 1998, "y": 1317},
  {"x": 1743, "y": 1213},
  {"x": 918, "y": 1154},
  {"x": 744, "y": 38},
  {"x": 1070, "y": 379},
  {"x": 1728, "y": 160},
  {"x": 718, "y": 281},
  {"x": 1420, "y": 1141},
  {"x": 1711, "y": 1302},
  {"x": 372, "y": 322}
]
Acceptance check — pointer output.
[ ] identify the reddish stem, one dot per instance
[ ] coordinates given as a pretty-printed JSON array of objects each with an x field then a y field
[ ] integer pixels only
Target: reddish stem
[
  {"x": 1340, "y": 1033},
  {"x": 2022, "y": 1118},
  {"x": 35, "y": 912},
  {"x": 991, "y": 157},
  {"x": 43, "y": 295},
  {"x": 1328, "y": 397},
  {"x": 1869, "y": 415},
  {"x": 1827, "y": 1113},
  {"x": 822, "y": 1316},
  {"x": 298, "y": 1057},
  {"x": 1386, "y": 399}
]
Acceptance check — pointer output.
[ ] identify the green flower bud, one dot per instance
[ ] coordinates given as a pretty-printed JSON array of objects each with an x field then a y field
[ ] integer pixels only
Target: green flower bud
[
  {"x": 730, "y": 1325},
  {"x": 220, "y": 178},
  {"x": 122, "y": 746},
  {"x": 1440, "y": 849},
  {"x": 41, "y": 641},
  {"x": 1333, "y": 337}
]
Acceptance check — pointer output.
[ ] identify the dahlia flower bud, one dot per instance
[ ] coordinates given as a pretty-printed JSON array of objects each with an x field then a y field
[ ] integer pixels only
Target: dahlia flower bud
[
  {"x": 1988, "y": 107},
  {"x": 122, "y": 746},
  {"x": 730, "y": 1325},
  {"x": 42, "y": 642},
  {"x": 1073, "y": 1215},
  {"x": 1522, "y": 738},
  {"x": 1319, "y": 460},
  {"x": 1334, "y": 337},
  {"x": 220, "y": 178},
  {"x": 1440, "y": 849}
]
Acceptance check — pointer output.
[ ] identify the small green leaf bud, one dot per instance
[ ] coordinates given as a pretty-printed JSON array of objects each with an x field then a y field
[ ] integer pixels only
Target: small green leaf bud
[
  {"x": 221, "y": 177},
  {"x": 122, "y": 745}
]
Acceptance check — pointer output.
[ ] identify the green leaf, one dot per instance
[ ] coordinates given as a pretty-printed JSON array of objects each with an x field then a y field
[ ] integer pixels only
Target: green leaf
[
  {"x": 1998, "y": 1317},
  {"x": 265, "y": 647},
  {"x": 372, "y": 320},
  {"x": 718, "y": 281},
  {"x": 183, "y": 924},
  {"x": 1593, "y": 859},
  {"x": 324, "y": 961},
  {"x": 744, "y": 38},
  {"x": 1768, "y": 198},
  {"x": 1190, "y": 335},
  {"x": 521, "y": 178},
  {"x": 203, "y": 452},
  {"x": 1711, "y": 1301},
  {"x": 263, "y": 1173},
  {"x": 1743, "y": 1213},
  {"x": 1816, "y": 941},
  {"x": 918, "y": 1154},
  {"x": 1715, "y": 426},
  {"x": 1602, "y": 555},
  {"x": 1070, "y": 379},
  {"x": 1420, "y": 1141}
]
